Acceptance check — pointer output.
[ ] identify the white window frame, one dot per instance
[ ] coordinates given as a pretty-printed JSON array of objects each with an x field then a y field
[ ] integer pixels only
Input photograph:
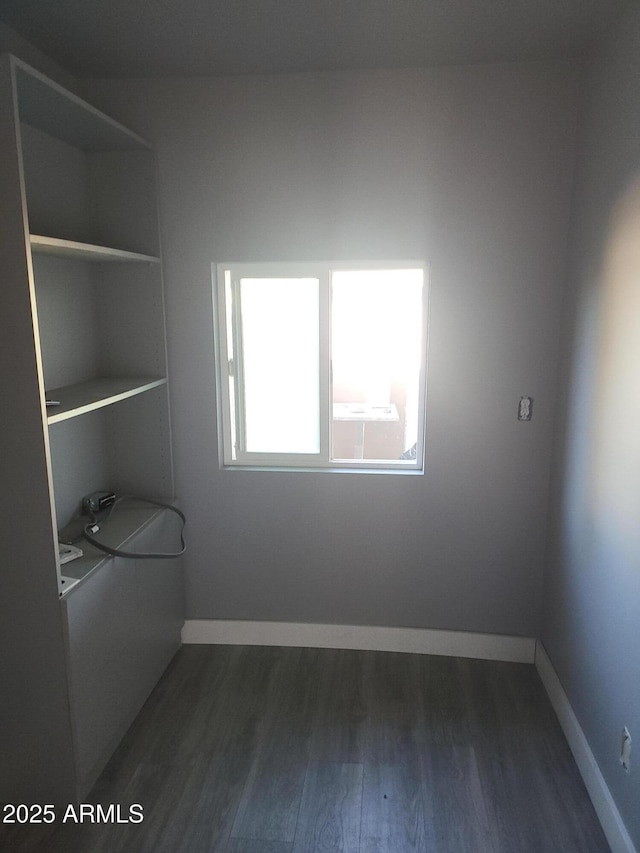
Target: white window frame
[{"x": 226, "y": 279}]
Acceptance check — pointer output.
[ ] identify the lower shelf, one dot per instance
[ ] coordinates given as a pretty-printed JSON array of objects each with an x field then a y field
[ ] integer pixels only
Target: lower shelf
[
  {"x": 123, "y": 527},
  {"x": 73, "y": 400}
]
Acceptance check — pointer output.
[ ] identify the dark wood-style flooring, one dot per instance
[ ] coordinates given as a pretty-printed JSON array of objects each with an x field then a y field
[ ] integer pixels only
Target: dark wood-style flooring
[{"x": 281, "y": 750}]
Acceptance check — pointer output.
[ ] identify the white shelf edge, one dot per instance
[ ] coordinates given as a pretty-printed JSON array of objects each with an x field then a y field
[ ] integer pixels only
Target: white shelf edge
[
  {"x": 84, "y": 251},
  {"x": 86, "y": 397}
]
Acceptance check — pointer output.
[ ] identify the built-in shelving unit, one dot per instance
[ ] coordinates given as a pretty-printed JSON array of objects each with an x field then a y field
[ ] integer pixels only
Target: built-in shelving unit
[
  {"x": 82, "y": 324},
  {"x": 89, "y": 195}
]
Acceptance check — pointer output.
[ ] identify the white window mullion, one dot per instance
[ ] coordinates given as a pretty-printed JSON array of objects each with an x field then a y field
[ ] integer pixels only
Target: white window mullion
[
  {"x": 225, "y": 354},
  {"x": 422, "y": 383},
  {"x": 325, "y": 390},
  {"x": 238, "y": 367}
]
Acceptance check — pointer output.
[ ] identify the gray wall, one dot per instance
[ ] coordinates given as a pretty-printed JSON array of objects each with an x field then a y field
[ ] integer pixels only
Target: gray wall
[
  {"x": 12, "y": 42},
  {"x": 469, "y": 168},
  {"x": 592, "y": 595}
]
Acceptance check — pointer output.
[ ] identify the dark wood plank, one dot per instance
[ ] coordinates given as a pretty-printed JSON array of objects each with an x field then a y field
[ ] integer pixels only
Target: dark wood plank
[
  {"x": 393, "y": 805},
  {"x": 193, "y": 773},
  {"x": 393, "y": 815},
  {"x": 445, "y": 707},
  {"x": 330, "y": 811},
  {"x": 339, "y": 720},
  {"x": 269, "y": 807},
  {"x": 245, "y": 845},
  {"x": 394, "y": 730},
  {"x": 26, "y": 839},
  {"x": 459, "y": 820},
  {"x": 178, "y": 713}
]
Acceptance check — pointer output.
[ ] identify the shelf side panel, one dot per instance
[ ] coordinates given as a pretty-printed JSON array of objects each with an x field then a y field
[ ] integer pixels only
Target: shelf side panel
[
  {"x": 56, "y": 184},
  {"x": 123, "y": 448},
  {"x": 67, "y": 316},
  {"x": 35, "y": 766},
  {"x": 124, "y": 208},
  {"x": 140, "y": 446},
  {"x": 80, "y": 463},
  {"x": 131, "y": 312},
  {"x": 107, "y": 199}
]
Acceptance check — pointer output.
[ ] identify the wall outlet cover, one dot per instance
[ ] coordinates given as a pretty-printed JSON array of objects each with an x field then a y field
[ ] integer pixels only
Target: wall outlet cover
[
  {"x": 625, "y": 750},
  {"x": 525, "y": 409}
]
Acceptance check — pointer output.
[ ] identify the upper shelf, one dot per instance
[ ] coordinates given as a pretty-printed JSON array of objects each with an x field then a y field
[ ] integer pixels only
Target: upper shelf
[
  {"x": 50, "y": 108},
  {"x": 84, "y": 251},
  {"x": 74, "y": 400}
]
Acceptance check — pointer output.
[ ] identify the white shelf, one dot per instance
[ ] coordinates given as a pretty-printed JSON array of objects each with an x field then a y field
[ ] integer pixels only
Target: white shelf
[
  {"x": 84, "y": 251},
  {"x": 127, "y": 521},
  {"x": 50, "y": 108},
  {"x": 87, "y": 396}
]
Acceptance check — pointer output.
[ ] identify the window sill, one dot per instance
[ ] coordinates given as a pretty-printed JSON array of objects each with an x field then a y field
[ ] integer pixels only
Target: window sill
[{"x": 410, "y": 472}]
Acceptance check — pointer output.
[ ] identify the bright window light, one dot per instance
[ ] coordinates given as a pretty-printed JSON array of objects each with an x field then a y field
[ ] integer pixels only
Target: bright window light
[
  {"x": 280, "y": 364},
  {"x": 321, "y": 365},
  {"x": 376, "y": 336}
]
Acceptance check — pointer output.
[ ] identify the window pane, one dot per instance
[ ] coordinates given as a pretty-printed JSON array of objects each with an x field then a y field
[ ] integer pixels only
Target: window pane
[
  {"x": 376, "y": 354},
  {"x": 280, "y": 348}
]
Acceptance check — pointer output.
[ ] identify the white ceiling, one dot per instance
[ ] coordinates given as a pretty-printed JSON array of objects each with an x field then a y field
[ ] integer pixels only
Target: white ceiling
[{"x": 159, "y": 38}]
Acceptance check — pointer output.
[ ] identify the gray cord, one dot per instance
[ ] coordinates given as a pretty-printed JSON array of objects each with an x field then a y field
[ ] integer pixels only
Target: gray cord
[{"x": 89, "y": 529}]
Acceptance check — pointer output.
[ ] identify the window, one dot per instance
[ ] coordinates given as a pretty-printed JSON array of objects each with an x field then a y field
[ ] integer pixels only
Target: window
[{"x": 322, "y": 366}]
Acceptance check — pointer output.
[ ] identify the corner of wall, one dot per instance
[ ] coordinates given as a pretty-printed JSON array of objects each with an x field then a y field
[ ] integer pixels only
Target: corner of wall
[
  {"x": 13, "y": 42},
  {"x": 594, "y": 781}
]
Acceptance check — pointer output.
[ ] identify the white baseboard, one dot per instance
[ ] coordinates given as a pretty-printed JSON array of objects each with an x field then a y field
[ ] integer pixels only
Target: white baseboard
[
  {"x": 364, "y": 637},
  {"x": 608, "y": 814}
]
